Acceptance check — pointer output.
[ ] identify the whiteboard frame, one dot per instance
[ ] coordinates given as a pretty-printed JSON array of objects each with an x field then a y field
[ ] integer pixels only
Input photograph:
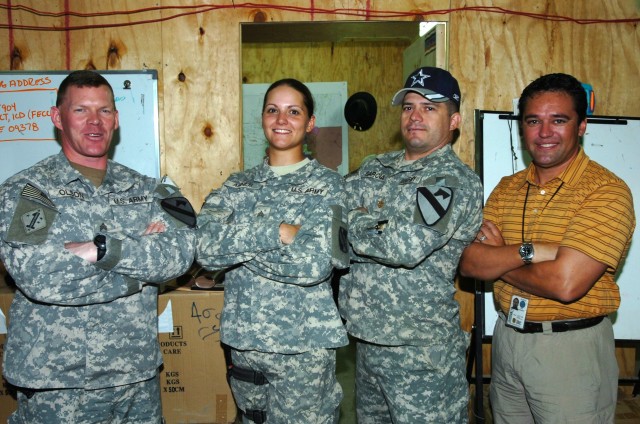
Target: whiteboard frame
[
  {"x": 497, "y": 156},
  {"x": 131, "y": 141}
]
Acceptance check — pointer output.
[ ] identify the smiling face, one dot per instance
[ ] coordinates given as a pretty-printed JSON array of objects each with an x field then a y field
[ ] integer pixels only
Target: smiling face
[
  {"x": 426, "y": 126},
  {"x": 551, "y": 130},
  {"x": 87, "y": 119},
  {"x": 286, "y": 121}
]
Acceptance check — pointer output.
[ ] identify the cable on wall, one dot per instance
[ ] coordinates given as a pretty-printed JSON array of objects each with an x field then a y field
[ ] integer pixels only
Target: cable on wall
[{"x": 187, "y": 10}]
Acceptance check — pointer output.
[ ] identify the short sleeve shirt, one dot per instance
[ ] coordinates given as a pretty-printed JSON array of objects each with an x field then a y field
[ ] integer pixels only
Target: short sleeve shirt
[{"x": 587, "y": 208}]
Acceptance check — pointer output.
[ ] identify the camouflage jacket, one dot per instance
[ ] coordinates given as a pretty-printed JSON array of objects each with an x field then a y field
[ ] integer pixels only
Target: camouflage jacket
[
  {"x": 74, "y": 324},
  {"x": 405, "y": 251},
  {"x": 278, "y": 298}
]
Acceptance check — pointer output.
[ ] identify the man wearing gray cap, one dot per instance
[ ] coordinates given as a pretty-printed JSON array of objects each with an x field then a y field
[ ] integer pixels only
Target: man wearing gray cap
[{"x": 412, "y": 212}]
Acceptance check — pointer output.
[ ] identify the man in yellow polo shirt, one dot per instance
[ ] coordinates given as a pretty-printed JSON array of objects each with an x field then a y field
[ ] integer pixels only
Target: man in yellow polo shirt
[{"x": 553, "y": 237}]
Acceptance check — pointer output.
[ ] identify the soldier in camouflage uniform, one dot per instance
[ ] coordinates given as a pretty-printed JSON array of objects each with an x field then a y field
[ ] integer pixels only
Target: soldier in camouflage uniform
[
  {"x": 87, "y": 241},
  {"x": 278, "y": 231},
  {"x": 412, "y": 212}
]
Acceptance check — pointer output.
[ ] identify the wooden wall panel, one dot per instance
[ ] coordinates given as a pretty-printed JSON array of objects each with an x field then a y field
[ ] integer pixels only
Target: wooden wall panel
[
  {"x": 115, "y": 38},
  {"x": 495, "y": 56},
  {"x": 201, "y": 100},
  {"x": 29, "y": 49}
]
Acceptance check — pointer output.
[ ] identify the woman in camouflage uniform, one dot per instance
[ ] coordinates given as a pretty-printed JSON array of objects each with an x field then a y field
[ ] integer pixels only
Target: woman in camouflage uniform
[{"x": 277, "y": 229}]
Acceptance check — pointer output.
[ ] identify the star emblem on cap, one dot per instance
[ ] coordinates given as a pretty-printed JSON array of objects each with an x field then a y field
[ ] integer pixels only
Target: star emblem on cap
[{"x": 419, "y": 79}]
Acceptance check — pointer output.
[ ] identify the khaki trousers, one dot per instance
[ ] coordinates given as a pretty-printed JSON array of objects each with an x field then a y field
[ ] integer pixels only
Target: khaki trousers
[{"x": 545, "y": 378}]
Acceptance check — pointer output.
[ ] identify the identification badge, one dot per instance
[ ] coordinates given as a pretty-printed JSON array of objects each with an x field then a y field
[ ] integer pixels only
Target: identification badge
[{"x": 517, "y": 312}]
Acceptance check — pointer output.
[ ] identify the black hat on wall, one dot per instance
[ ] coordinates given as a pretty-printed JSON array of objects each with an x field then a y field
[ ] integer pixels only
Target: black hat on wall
[{"x": 360, "y": 111}]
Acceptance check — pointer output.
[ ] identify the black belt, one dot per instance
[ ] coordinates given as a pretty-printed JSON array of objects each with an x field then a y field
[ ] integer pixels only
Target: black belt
[
  {"x": 247, "y": 375},
  {"x": 560, "y": 326},
  {"x": 258, "y": 417}
]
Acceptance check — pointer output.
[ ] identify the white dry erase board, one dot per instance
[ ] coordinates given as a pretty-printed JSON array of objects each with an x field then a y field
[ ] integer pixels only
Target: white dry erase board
[
  {"x": 610, "y": 141},
  {"x": 27, "y": 134}
]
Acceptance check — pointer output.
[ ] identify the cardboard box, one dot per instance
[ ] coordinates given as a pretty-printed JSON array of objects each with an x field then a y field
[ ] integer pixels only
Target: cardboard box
[
  {"x": 193, "y": 380},
  {"x": 8, "y": 402}
]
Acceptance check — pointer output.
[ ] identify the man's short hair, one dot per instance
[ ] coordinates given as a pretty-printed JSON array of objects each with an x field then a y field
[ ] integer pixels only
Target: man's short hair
[
  {"x": 558, "y": 83},
  {"x": 82, "y": 78}
]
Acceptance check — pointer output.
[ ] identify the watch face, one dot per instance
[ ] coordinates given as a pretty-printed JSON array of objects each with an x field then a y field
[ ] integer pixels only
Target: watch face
[
  {"x": 526, "y": 252},
  {"x": 100, "y": 241}
]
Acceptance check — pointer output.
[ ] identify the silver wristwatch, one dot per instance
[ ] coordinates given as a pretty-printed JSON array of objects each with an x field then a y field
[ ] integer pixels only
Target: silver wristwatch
[{"x": 526, "y": 252}]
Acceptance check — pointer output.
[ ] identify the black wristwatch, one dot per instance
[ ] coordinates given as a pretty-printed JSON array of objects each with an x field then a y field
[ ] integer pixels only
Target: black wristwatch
[
  {"x": 526, "y": 252},
  {"x": 101, "y": 243}
]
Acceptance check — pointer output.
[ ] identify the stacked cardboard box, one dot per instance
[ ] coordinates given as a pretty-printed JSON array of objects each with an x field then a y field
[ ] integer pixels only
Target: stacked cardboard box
[{"x": 193, "y": 380}]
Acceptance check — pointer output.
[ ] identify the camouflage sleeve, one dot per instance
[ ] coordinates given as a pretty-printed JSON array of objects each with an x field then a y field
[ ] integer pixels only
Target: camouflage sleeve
[
  {"x": 153, "y": 258},
  {"x": 313, "y": 254},
  {"x": 353, "y": 201},
  {"x": 307, "y": 260},
  {"x": 50, "y": 274},
  {"x": 226, "y": 237},
  {"x": 44, "y": 270},
  {"x": 399, "y": 241},
  {"x": 352, "y": 190}
]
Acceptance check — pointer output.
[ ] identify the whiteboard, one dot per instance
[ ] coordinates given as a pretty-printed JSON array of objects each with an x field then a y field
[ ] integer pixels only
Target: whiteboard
[
  {"x": 610, "y": 141},
  {"x": 328, "y": 142},
  {"x": 27, "y": 134}
]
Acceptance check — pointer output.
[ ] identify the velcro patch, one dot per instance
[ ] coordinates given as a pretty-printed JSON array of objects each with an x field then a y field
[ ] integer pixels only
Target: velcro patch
[
  {"x": 32, "y": 193},
  {"x": 262, "y": 210},
  {"x": 116, "y": 200},
  {"x": 433, "y": 203},
  {"x": 339, "y": 239},
  {"x": 180, "y": 209},
  {"x": 301, "y": 189},
  {"x": 34, "y": 220}
]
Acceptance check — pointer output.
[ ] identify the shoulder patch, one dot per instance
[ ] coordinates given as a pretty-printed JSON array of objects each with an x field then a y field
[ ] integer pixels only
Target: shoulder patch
[
  {"x": 33, "y": 220},
  {"x": 433, "y": 203},
  {"x": 180, "y": 209},
  {"x": 166, "y": 190},
  {"x": 33, "y": 216},
  {"x": 34, "y": 194}
]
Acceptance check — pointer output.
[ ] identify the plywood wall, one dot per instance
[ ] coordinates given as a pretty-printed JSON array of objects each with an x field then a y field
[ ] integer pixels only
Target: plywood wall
[{"x": 493, "y": 54}]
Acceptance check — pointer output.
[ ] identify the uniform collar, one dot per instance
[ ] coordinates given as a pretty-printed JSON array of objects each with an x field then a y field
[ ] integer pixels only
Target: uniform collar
[
  {"x": 264, "y": 172},
  {"x": 115, "y": 180},
  {"x": 396, "y": 159}
]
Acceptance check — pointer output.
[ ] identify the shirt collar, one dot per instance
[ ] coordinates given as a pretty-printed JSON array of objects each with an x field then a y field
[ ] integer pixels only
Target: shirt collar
[{"x": 570, "y": 176}]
